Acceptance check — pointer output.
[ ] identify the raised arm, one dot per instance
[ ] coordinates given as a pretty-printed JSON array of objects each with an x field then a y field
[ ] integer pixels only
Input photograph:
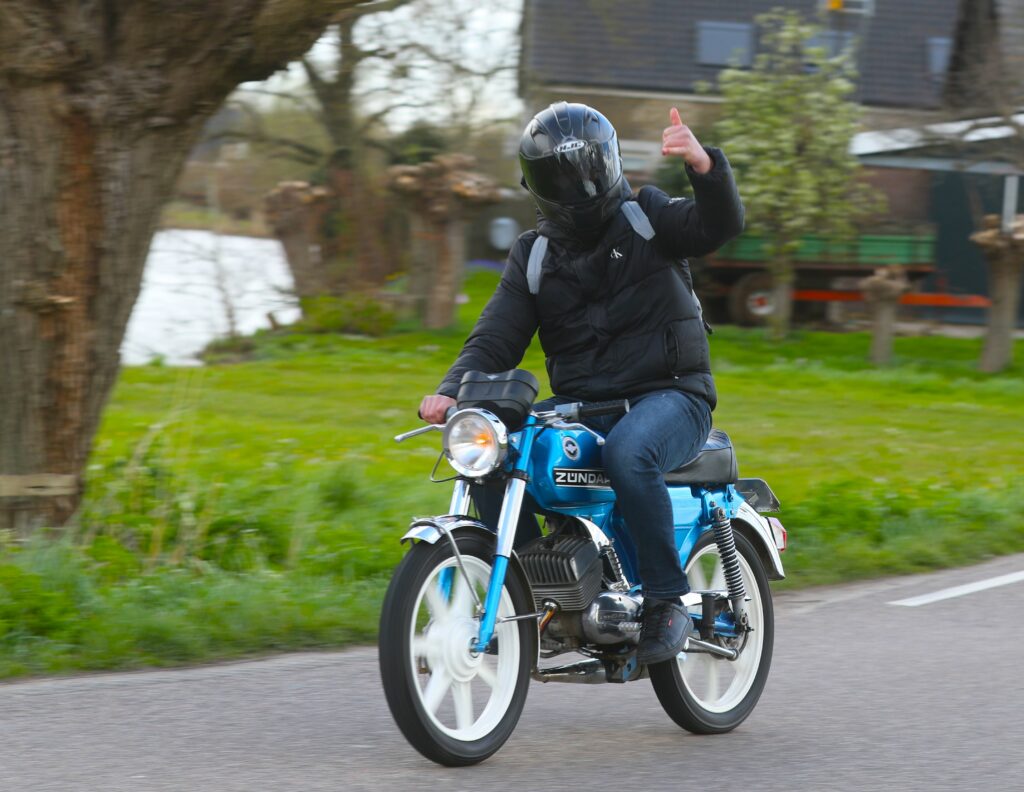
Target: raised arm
[{"x": 695, "y": 227}]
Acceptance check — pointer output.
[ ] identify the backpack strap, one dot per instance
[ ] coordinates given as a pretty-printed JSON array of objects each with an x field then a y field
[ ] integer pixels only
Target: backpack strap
[
  {"x": 535, "y": 264},
  {"x": 636, "y": 217}
]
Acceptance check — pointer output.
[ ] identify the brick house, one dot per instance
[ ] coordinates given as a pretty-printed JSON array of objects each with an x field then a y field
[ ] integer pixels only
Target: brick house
[
  {"x": 634, "y": 60},
  {"x": 915, "y": 61}
]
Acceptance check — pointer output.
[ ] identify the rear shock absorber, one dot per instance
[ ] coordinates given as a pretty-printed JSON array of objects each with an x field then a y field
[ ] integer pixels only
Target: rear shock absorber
[{"x": 730, "y": 566}]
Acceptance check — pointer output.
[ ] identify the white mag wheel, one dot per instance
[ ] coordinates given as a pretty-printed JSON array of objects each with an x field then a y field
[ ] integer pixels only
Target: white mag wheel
[
  {"x": 454, "y": 704},
  {"x": 705, "y": 693},
  {"x": 464, "y": 693}
]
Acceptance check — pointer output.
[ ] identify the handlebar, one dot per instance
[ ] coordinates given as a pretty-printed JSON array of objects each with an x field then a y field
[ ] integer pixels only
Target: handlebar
[
  {"x": 615, "y": 407},
  {"x": 577, "y": 411},
  {"x": 562, "y": 415}
]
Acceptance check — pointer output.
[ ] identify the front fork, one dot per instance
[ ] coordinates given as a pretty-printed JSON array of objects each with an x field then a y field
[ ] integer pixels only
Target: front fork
[{"x": 507, "y": 524}]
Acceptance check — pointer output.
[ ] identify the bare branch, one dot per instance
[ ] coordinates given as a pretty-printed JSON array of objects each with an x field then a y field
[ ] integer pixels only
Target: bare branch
[
  {"x": 301, "y": 152},
  {"x": 303, "y": 101},
  {"x": 315, "y": 80},
  {"x": 371, "y": 119},
  {"x": 457, "y": 64},
  {"x": 380, "y": 7}
]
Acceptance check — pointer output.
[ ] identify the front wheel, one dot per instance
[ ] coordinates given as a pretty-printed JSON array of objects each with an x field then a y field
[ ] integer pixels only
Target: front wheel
[
  {"x": 454, "y": 705},
  {"x": 707, "y": 694}
]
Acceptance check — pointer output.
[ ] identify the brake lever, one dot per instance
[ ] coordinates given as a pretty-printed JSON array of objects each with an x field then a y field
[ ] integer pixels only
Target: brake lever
[
  {"x": 587, "y": 429},
  {"x": 421, "y": 430}
]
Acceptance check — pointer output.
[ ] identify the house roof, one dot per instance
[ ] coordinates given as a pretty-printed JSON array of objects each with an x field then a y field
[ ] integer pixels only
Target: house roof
[
  {"x": 974, "y": 130},
  {"x": 651, "y": 45}
]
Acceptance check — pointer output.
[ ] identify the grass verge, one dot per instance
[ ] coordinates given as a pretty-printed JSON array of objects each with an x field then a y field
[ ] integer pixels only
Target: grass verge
[{"x": 250, "y": 508}]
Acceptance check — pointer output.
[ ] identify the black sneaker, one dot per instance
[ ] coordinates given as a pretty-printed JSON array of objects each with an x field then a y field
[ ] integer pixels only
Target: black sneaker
[{"x": 663, "y": 634}]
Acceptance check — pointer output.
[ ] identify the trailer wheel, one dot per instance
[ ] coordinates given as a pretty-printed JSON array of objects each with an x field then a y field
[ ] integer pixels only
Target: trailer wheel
[{"x": 751, "y": 301}]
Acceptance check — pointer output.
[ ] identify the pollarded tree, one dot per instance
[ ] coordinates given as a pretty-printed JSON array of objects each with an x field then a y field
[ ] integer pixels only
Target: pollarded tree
[
  {"x": 100, "y": 103},
  {"x": 786, "y": 126},
  {"x": 985, "y": 82}
]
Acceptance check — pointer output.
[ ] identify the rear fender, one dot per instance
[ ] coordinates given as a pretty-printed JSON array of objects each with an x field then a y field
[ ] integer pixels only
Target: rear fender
[{"x": 757, "y": 529}]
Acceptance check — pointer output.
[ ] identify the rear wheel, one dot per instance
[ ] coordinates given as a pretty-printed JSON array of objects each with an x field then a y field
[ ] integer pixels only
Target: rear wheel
[
  {"x": 454, "y": 705},
  {"x": 707, "y": 694},
  {"x": 752, "y": 299}
]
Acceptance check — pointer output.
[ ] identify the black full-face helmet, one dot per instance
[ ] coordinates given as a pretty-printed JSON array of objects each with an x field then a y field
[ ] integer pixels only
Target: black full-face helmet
[{"x": 569, "y": 155}]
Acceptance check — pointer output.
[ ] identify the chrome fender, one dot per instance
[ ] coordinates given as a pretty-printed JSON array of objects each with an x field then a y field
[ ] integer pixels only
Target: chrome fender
[
  {"x": 759, "y": 530},
  {"x": 430, "y": 529}
]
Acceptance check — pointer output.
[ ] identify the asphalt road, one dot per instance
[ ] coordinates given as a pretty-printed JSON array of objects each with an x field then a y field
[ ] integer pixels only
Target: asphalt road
[{"x": 863, "y": 695}]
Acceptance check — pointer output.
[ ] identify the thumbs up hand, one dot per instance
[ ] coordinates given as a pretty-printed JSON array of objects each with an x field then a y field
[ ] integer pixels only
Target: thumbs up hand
[{"x": 678, "y": 141}]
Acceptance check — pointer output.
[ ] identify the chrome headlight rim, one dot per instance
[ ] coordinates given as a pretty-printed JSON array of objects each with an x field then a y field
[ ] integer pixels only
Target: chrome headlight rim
[{"x": 498, "y": 430}]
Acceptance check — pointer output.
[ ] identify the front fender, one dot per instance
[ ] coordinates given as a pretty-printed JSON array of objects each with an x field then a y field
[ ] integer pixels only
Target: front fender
[{"x": 429, "y": 529}]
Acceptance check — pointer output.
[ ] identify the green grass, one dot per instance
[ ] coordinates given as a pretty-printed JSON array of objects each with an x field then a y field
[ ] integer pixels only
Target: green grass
[
  {"x": 186, "y": 215},
  {"x": 235, "y": 509}
]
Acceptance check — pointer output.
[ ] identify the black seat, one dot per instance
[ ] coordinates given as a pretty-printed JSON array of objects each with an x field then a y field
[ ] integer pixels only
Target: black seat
[{"x": 715, "y": 464}]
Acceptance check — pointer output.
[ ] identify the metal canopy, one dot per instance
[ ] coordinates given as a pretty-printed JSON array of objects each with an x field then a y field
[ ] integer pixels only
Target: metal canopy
[{"x": 946, "y": 164}]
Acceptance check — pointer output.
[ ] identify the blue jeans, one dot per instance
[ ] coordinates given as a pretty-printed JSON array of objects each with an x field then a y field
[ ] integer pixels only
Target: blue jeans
[{"x": 662, "y": 430}]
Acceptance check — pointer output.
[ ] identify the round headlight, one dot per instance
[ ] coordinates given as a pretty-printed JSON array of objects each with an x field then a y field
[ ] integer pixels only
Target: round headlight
[{"x": 475, "y": 442}]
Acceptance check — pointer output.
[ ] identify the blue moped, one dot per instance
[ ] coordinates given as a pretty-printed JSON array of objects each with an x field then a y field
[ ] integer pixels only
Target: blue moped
[{"x": 468, "y": 620}]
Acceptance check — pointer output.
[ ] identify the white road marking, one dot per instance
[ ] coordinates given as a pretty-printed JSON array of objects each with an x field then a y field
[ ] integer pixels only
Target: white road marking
[{"x": 959, "y": 591}]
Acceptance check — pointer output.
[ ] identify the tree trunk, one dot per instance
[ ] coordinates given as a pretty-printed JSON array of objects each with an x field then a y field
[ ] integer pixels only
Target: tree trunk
[
  {"x": 440, "y": 308},
  {"x": 79, "y": 201},
  {"x": 883, "y": 332},
  {"x": 782, "y": 300},
  {"x": 99, "y": 105},
  {"x": 1005, "y": 268},
  {"x": 295, "y": 213},
  {"x": 421, "y": 264},
  {"x": 882, "y": 292}
]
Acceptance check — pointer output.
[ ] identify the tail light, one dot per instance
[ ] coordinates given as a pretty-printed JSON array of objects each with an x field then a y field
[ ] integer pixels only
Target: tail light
[{"x": 781, "y": 537}]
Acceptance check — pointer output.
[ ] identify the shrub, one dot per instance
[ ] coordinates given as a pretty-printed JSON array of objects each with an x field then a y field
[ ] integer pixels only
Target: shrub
[{"x": 359, "y": 313}]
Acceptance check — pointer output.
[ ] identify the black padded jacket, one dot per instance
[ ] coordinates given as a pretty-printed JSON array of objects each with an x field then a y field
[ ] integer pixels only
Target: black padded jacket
[{"x": 617, "y": 318}]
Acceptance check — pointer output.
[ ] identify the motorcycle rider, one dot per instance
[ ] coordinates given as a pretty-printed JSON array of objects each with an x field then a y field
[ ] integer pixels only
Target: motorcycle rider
[{"x": 617, "y": 318}]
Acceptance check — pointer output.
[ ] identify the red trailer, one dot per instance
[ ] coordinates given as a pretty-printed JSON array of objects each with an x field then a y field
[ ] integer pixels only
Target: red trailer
[{"x": 826, "y": 271}]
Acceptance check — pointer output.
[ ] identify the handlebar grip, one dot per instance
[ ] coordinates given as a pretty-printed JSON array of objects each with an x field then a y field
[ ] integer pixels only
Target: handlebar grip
[{"x": 615, "y": 407}]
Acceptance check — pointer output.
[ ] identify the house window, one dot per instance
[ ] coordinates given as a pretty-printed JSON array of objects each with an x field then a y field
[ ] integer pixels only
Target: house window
[
  {"x": 639, "y": 156},
  {"x": 939, "y": 50},
  {"x": 834, "y": 42},
  {"x": 725, "y": 43},
  {"x": 859, "y": 7}
]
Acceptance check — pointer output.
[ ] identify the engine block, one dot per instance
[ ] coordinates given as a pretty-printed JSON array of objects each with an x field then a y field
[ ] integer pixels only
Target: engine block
[{"x": 564, "y": 568}]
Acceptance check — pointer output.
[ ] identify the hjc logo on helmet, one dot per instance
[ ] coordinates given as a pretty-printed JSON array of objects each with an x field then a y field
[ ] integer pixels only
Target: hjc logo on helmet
[{"x": 570, "y": 145}]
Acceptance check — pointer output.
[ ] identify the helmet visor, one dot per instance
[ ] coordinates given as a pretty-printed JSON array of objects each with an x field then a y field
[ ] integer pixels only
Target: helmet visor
[{"x": 574, "y": 175}]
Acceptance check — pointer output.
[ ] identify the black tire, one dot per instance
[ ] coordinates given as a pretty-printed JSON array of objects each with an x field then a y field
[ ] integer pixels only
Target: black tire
[
  {"x": 746, "y": 299},
  {"x": 406, "y": 601},
  {"x": 681, "y": 703}
]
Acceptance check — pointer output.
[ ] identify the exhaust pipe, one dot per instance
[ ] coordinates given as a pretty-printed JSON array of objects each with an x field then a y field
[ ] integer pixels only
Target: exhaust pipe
[{"x": 585, "y": 672}]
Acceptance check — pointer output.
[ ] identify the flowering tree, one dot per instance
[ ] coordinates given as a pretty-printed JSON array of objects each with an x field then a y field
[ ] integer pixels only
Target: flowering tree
[{"x": 786, "y": 126}]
